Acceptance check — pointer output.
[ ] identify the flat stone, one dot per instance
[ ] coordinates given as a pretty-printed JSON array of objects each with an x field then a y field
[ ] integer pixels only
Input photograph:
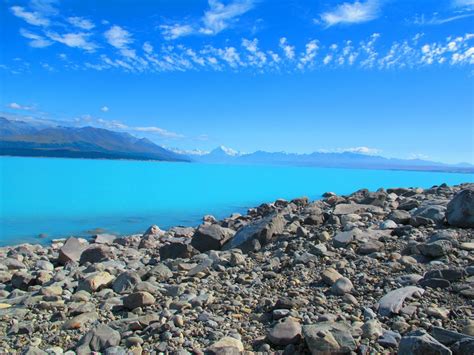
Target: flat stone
[
  {"x": 285, "y": 332},
  {"x": 435, "y": 249},
  {"x": 342, "y": 286},
  {"x": 95, "y": 281},
  {"x": 105, "y": 239},
  {"x": 344, "y": 208},
  {"x": 211, "y": 237},
  {"x": 226, "y": 346},
  {"x": 98, "y": 339},
  {"x": 392, "y": 302},
  {"x": 126, "y": 282},
  {"x": 330, "y": 276}
]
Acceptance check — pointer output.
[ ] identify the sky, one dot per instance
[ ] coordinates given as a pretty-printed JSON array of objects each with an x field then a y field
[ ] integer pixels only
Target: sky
[{"x": 387, "y": 77}]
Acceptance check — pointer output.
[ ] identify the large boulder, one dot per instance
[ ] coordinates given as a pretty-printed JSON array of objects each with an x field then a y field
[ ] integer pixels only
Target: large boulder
[
  {"x": 419, "y": 342},
  {"x": 126, "y": 282},
  {"x": 261, "y": 231},
  {"x": 329, "y": 338},
  {"x": 98, "y": 339},
  {"x": 71, "y": 251},
  {"x": 287, "y": 331},
  {"x": 138, "y": 299},
  {"x": 211, "y": 237},
  {"x": 460, "y": 211},
  {"x": 96, "y": 254},
  {"x": 177, "y": 250}
]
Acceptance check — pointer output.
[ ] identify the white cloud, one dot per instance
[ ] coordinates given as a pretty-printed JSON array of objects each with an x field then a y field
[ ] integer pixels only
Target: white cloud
[
  {"x": 81, "y": 22},
  {"x": 220, "y": 16},
  {"x": 287, "y": 49},
  {"x": 170, "y": 32},
  {"x": 118, "y": 37},
  {"x": 463, "y": 3},
  {"x": 436, "y": 20},
  {"x": 147, "y": 47},
  {"x": 36, "y": 41},
  {"x": 309, "y": 55},
  {"x": 16, "y": 106},
  {"x": 350, "y": 13},
  {"x": 33, "y": 18},
  {"x": 362, "y": 150},
  {"x": 74, "y": 40},
  {"x": 157, "y": 130},
  {"x": 104, "y": 109}
]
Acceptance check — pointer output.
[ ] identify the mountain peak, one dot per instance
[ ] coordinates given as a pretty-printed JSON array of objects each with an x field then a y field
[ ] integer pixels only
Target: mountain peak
[{"x": 225, "y": 150}]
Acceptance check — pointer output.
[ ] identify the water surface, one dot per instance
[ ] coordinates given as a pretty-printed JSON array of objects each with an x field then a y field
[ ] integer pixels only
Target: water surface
[{"x": 63, "y": 197}]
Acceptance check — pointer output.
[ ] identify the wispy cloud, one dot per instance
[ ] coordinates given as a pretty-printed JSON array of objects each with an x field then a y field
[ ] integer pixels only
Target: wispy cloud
[
  {"x": 81, "y": 23},
  {"x": 220, "y": 16},
  {"x": 351, "y": 13},
  {"x": 117, "y": 125},
  {"x": 16, "y": 106},
  {"x": 170, "y": 32},
  {"x": 32, "y": 17},
  {"x": 216, "y": 19},
  {"x": 120, "y": 38},
  {"x": 104, "y": 109},
  {"x": 74, "y": 40},
  {"x": 359, "y": 150},
  {"x": 36, "y": 41},
  {"x": 435, "y": 19}
]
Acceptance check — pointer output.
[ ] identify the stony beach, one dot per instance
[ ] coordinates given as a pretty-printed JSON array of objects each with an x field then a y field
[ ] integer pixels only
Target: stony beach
[{"x": 390, "y": 271}]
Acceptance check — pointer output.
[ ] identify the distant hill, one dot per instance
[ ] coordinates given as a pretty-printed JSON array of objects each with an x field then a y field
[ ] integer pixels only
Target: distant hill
[
  {"x": 19, "y": 138},
  {"x": 221, "y": 155}
]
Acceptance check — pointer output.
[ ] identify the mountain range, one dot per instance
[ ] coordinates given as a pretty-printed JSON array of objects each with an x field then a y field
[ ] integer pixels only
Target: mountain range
[{"x": 18, "y": 138}]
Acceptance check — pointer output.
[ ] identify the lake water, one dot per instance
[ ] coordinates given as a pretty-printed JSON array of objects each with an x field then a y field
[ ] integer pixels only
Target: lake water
[{"x": 64, "y": 197}]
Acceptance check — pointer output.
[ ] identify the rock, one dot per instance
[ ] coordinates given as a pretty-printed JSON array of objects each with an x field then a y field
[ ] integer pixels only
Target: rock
[
  {"x": 138, "y": 299},
  {"x": 261, "y": 231},
  {"x": 388, "y": 224},
  {"x": 161, "y": 272},
  {"x": 372, "y": 246},
  {"x": 105, "y": 239},
  {"x": 372, "y": 329},
  {"x": 460, "y": 211},
  {"x": 392, "y": 302},
  {"x": 98, "y": 339},
  {"x": 343, "y": 239},
  {"x": 177, "y": 250},
  {"x": 211, "y": 237},
  {"x": 419, "y": 342},
  {"x": 431, "y": 213},
  {"x": 71, "y": 251},
  {"x": 389, "y": 339},
  {"x": 330, "y": 276},
  {"x": 434, "y": 283},
  {"x": 154, "y": 230},
  {"x": 435, "y": 249},
  {"x": 399, "y": 216},
  {"x": 226, "y": 346},
  {"x": 287, "y": 331},
  {"x": 80, "y": 320},
  {"x": 343, "y": 208},
  {"x": 463, "y": 347},
  {"x": 96, "y": 254},
  {"x": 33, "y": 350},
  {"x": 126, "y": 282},
  {"x": 342, "y": 286},
  {"x": 329, "y": 337},
  {"x": 448, "y": 337},
  {"x": 95, "y": 281},
  {"x": 446, "y": 274}
]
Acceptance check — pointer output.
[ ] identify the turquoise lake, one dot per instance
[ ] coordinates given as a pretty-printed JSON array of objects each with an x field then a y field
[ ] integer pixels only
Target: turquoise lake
[{"x": 64, "y": 197}]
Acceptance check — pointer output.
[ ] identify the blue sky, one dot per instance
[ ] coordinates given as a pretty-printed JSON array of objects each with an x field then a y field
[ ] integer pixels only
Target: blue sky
[{"x": 388, "y": 77}]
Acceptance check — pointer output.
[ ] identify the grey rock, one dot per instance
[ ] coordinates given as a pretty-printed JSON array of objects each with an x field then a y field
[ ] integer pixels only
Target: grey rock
[
  {"x": 261, "y": 231},
  {"x": 105, "y": 239},
  {"x": 71, "y": 251},
  {"x": 126, "y": 282},
  {"x": 96, "y": 254},
  {"x": 98, "y": 339},
  {"x": 448, "y": 337},
  {"x": 343, "y": 208},
  {"x": 460, "y": 211},
  {"x": 161, "y": 272},
  {"x": 389, "y": 339},
  {"x": 434, "y": 213},
  {"x": 287, "y": 331},
  {"x": 392, "y": 302},
  {"x": 419, "y": 342},
  {"x": 400, "y": 216},
  {"x": 329, "y": 337},
  {"x": 177, "y": 250},
  {"x": 138, "y": 299},
  {"x": 343, "y": 239},
  {"x": 211, "y": 237},
  {"x": 342, "y": 286},
  {"x": 435, "y": 249}
]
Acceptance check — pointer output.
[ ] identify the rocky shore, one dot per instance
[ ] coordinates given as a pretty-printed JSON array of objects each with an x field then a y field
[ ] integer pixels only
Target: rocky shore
[{"x": 390, "y": 271}]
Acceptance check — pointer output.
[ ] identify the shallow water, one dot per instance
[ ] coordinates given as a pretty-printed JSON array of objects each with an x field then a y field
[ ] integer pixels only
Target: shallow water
[{"x": 63, "y": 197}]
